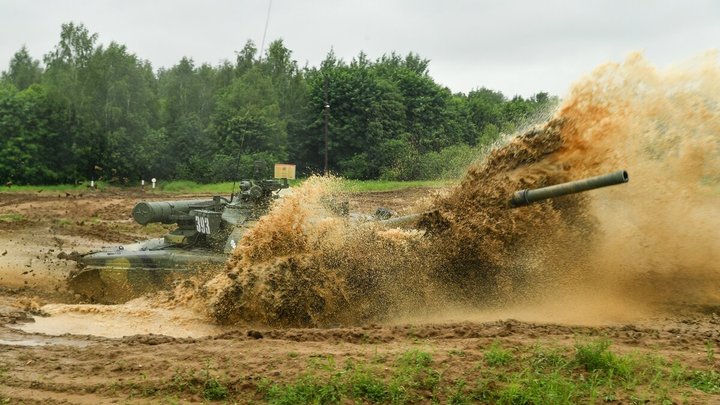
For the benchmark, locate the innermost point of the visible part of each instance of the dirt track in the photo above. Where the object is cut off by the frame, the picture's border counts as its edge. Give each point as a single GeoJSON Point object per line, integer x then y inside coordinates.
{"type": "Point", "coordinates": [155, 363]}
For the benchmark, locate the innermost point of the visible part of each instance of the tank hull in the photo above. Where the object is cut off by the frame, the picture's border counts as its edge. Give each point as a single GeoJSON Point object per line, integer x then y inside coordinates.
{"type": "Point", "coordinates": [116, 275]}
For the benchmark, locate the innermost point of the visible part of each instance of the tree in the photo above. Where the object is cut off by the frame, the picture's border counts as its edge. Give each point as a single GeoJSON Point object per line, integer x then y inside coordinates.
{"type": "Point", "coordinates": [101, 111]}
{"type": "Point", "coordinates": [24, 71]}
{"type": "Point", "coordinates": [66, 77]}
{"type": "Point", "coordinates": [123, 104]}
{"type": "Point", "coordinates": [34, 147]}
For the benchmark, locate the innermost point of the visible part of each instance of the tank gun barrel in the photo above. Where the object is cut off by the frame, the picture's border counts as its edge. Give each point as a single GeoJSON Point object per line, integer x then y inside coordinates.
{"type": "Point", "coordinates": [166, 212]}
{"type": "Point", "coordinates": [529, 196]}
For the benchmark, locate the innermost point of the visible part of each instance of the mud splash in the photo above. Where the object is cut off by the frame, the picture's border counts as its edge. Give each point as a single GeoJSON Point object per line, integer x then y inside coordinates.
{"type": "Point", "coordinates": [305, 265]}
{"type": "Point", "coordinates": [634, 248]}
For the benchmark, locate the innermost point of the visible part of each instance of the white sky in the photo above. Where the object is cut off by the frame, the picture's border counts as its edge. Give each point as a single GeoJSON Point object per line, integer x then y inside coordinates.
{"type": "Point", "coordinates": [515, 46]}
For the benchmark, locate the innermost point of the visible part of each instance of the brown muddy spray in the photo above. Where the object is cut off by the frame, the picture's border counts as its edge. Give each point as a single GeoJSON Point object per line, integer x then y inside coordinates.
{"type": "Point", "coordinates": [653, 241]}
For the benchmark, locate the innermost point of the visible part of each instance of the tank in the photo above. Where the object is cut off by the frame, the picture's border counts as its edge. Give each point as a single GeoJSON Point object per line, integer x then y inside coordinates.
{"type": "Point", "coordinates": [207, 231]}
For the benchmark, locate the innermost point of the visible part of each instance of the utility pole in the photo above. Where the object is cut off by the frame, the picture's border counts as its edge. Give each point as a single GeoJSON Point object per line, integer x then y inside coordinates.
{"type": "Point", "coordinates": [327, 113]}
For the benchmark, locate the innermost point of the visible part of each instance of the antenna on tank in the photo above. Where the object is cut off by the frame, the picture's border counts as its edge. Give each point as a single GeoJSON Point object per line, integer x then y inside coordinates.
{"type": "Point", "coordinates": [237, 166]}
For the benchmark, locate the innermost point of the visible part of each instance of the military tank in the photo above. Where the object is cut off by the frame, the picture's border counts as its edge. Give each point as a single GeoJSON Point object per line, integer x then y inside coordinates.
{"type": "Point", "coordinates": [207, 231]}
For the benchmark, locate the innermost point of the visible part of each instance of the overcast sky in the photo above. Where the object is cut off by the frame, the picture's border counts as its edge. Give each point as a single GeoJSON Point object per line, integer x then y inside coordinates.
{"type": "Point", "coordinates": [515, 46]}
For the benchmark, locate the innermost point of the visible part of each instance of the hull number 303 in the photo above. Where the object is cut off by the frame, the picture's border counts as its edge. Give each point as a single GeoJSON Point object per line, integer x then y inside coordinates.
{"type": "Point", "coordinates": [202, 224]}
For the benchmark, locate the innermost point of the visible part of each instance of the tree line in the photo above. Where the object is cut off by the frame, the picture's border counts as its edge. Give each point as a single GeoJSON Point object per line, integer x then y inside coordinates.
{"type": "Point", "coordinates": [94, 111]}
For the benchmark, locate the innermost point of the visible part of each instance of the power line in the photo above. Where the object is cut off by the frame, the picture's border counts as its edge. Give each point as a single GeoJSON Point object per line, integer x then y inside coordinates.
{"type": "Point", "coordinates": [267, 22]}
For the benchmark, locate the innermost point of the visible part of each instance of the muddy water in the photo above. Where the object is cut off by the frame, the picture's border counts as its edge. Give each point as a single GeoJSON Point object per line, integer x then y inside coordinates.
{"type": "Point", "coordinates": [137, 317]}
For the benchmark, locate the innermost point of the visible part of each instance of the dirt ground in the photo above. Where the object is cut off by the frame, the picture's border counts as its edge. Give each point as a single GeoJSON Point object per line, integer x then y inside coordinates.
{"type": "Point", "coordinates": [56, 349]}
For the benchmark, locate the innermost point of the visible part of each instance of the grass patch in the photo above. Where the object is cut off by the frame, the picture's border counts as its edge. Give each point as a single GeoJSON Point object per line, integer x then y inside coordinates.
{"type": "Point", "coordinates": [588, 373]}
{"type": "Point", "coordinates": [497, 356]}
{"type": "Point", "coordinates": [411, 380]}
{"type": "Point", "coordinates": [596, 356]}
{"type": "Point", "coordinates": [705, 380]}
{"type": "Point", "coordinates": [225, 188]}
{"type": "Point", "coordinates": [12, 217]}
{"type": "Point", "coordinates": [306, 390]}
{"type": "Point", "coordinates": [55, 188]}
{"type": "Point", "coordinates": [214, 390]}
{"type": "Point", "coordinates": [360, 186]}
{"type": "Point", "coordinates": [191, 187]}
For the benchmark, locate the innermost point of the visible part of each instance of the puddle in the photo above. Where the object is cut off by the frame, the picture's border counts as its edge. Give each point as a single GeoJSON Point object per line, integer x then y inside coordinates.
{"type": "Point", "coordinates": [11, 338]}
{"type": "Point", "coordinates": [115, 321]}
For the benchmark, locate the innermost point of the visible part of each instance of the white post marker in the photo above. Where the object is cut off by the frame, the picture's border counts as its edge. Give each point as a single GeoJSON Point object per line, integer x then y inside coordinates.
{"type": "Point", "coordinates": [153, 181]}
{"type": "Point", "coordinates": [92, 183]}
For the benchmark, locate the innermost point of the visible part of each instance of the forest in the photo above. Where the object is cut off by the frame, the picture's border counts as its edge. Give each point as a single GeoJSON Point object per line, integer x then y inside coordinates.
{"type": "Point", "coordinates": [90, 111]}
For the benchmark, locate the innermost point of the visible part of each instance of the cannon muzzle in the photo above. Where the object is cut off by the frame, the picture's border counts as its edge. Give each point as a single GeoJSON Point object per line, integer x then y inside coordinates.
{"type": "Point", "coordinates": [529, 196]}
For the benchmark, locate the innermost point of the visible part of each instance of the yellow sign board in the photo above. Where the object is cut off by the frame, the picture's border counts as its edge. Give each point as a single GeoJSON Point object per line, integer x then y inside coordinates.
{"type": "Point", "coordinates": [284, 171]}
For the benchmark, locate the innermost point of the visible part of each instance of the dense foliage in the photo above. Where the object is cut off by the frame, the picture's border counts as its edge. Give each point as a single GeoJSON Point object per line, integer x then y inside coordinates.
{"type": "Point", "coordinates": [94, 111]}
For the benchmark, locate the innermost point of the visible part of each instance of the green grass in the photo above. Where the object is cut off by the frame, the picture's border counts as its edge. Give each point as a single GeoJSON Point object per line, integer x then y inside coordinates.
{"type": "Point", "coordinates": [12, 217]}
{"type": "Point", "coordinates": [413, 374]}
{"type": "Point", "coordinates": [191, 187]}
{"type": "Point", "coordinates": [497, 356]}
{"type": "Point", "coordinates": [705, 380]}
{"type": "Point", "coordinates": [596, 356]}
{"type": "Point", "coordinates": [590, 373]}
{"type": "Point", "coordinates": [214, 390]}
{"type": "Point", "coordinates": [359, 186]}
{"type": "Point", "coordinates": [57, 188]}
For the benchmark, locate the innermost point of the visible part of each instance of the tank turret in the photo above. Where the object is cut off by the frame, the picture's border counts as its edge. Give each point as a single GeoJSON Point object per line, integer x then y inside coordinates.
{"type": "Point", "coordinates": [207, 231]}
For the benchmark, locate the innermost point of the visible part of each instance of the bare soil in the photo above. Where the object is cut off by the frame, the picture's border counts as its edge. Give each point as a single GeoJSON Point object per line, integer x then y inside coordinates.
{"type": "Point", "coordinates": [135, 353]}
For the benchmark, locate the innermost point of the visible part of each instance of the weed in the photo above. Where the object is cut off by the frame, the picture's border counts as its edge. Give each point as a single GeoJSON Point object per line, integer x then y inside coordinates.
{"type": "Point", "coordinates": [12, 217]}
{"type": "Point", "coordinates": [705, 381]}
{"type": "Point", "coordinates": [541, 375]}
{"type": "Point", "coordinates": [365, 386]}
{"type": "Point", "coordinates": [457, 395]}
{"type": "Point", "coordinates": [414, 371]}
{"type": "Point", "coordinates": [183, 381]}
{"type": "Point", "coordinates": [214, 390]}
{"type": "Point", "coordinates": [497, 356]}
{"type": "Point", "coordinates": [326, 363]}
{"type": "Point", "coordinates": [545, 358]}
{"type": "Point", "coordinates": [356, 186]}
{"type": "Point", "coordinates": [306, 390]}
{"type": "Point", "coordinates": [415, 358]}
{"type": "Point", "coordinates": [482, 392]}
{"type": "Point", "coordinates": [710, 352]}
{"type": "Point", "coordinates": [596, 356]}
